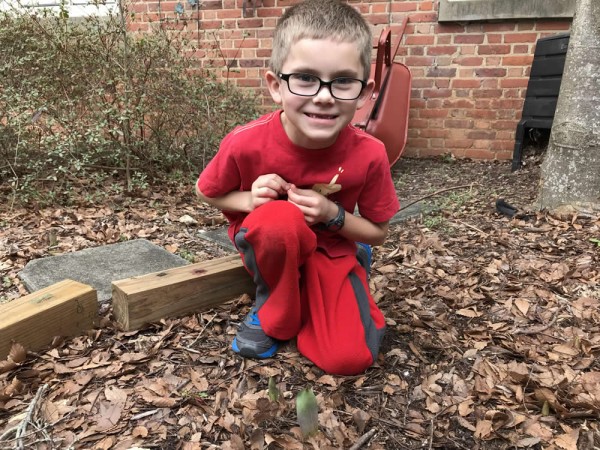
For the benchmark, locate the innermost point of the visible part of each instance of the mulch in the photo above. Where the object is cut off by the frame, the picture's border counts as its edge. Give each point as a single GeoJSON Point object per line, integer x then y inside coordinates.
{"type": "Point", "coordinates": [492, 343]}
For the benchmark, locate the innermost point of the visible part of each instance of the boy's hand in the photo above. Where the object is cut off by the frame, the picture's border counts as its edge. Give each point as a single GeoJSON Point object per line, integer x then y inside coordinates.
{"type": "Point", "coordinates": [267, 188]}
{"type": "Point", "coordinates": [315, 207]}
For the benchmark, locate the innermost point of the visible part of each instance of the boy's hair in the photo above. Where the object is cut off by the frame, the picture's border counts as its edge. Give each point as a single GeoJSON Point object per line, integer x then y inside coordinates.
{"type": "Point", "coordinates": [321, 19]}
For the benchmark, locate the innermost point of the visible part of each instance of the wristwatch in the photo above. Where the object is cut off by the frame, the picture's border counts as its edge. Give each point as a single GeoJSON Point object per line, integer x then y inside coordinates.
{"type": "Point", "coordinates": [337, 222]}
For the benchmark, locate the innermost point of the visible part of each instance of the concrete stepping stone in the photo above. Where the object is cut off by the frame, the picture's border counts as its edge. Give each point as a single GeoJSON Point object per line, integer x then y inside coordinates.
{"type": "Point", "coordinates": [100, 266]}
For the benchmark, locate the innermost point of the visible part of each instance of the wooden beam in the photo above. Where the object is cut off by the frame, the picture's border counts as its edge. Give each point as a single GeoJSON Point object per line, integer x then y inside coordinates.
{"type": "Point", "coordinates": [63, 309]}
{"type": "Point", "coordinates": [176, 292]}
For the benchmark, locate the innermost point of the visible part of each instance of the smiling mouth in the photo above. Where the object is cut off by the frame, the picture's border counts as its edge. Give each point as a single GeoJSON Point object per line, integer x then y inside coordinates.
{"type": "Point", "coordinates": [320, 116]}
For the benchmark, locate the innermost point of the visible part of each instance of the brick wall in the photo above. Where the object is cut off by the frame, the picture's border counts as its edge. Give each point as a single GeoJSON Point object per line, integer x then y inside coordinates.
{"type": "Point", "coordinates": [469, 79]}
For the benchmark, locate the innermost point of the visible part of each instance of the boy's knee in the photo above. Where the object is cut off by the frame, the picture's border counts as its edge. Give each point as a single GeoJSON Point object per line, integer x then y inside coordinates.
{"type": "Point", "coordinates": [278, 221]}
{"type": "Point", "coordinates": [346, 364]}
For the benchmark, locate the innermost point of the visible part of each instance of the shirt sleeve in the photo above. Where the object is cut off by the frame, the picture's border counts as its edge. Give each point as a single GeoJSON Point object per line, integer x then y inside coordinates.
{"type": "Point", "coordinates": [222, 174]}
{"type": "Point", "coordinates": [378, 201]}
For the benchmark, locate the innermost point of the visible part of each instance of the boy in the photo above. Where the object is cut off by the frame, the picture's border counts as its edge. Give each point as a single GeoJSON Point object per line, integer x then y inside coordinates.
{"type": "Point", "coordinates": [285, 183]}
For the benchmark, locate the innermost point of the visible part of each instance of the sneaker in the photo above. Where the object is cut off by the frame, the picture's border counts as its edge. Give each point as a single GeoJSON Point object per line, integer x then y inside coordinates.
{"type": "Point", "coordinates": [251, 341]}
{"type": "Point", "coordinates": [364, 256]}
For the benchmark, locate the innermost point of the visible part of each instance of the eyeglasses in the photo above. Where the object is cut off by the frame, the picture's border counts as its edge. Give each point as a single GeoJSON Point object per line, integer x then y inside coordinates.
{"type": "Point", "coordinates": [307, 85]}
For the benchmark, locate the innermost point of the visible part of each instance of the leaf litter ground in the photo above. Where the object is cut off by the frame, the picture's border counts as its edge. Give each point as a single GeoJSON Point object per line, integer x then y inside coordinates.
{"type": "Point", "coordinates": [493, 334]}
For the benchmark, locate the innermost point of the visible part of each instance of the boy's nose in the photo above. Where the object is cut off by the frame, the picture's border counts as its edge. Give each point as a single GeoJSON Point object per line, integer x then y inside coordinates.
{"type": "Point", "coordinates": [324, 94]}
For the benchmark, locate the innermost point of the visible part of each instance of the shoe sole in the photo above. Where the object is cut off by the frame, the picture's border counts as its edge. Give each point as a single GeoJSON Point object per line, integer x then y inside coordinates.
{"type": "Point", "coordinates": [246, 353]}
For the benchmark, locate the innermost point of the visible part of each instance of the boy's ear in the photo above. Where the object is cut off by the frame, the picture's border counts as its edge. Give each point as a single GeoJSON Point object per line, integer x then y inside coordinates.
{"type": "Point", "coordinates": [366, 94]}
{"type": "Point", "coordinates": [274, 85]}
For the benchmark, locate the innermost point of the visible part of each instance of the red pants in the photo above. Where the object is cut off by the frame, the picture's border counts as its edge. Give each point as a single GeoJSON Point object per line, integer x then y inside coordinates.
{"type": "Point", "coordinates": [301, 292]}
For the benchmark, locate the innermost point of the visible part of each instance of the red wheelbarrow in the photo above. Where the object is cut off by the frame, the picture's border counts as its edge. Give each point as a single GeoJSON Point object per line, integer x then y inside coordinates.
{"type": "Point", "coordinates": [385, 114]}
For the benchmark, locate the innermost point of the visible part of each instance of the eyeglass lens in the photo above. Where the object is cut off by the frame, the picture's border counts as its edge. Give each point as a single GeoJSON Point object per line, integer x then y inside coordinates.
{"type": "Point", "coordinates": [342, 88]}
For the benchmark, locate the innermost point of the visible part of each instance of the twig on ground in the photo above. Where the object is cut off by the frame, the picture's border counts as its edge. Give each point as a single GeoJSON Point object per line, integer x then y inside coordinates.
{"type": "Point", "coordinates": [30, 410]}
{"type": "Point", "coordinates": [460, 222]}
{"type": "Point", "coordinates": [538, 330]}
{"type": "Point", "coordinates": [202, 330]}
{"type": "Point", "coordinates": [441, 191]}
{"type": "Point", "coordinates": [20, 429]}
{"type": "Point", "coordinates": [363, 439]}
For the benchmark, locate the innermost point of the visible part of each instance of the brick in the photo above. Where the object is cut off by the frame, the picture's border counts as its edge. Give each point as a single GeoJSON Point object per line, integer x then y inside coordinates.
{"type": "Point", "coordinates": [481, 134]}
{"type": "Point", "coordinates": [249, 83]}
{"type": "Point", "coordinates": [404, 6]}
{"type": "Point", "coordinates": [502, 144]}
{"type": "Point", "coordinates": [442, 50]}
{"type": "Point", "coordinates": [468, 39]}
{"type": "Point", "coordinates": [450, 28]}
{"type": "Point", "coordinates": [493, 49]}
{"type": "Point", "coordinates": [269, 12]}
{"type": "Point", "coordinates": [434, 103]}
{"type": "Point", "coordinates": [419, 142]}
{"type": "Point", "coordinates": [433, 133]}
{"type": "Point", "coordinates": [443, 39]}
{"type": "Point", "coordinates": [252, 63]}
{"type": "Point", "coordinates": [437, 93]}
{"type": "Point", "coordinates": [482, 113]}
{"type": "Point", "coordinates": [422, 83]}
{"type": "Point", "coordinates": [459, 143]}
{"type": "Point", "coordinates": [458, 123]}
{"type": "Point", "coordinates": [521, 49]}
{"type": "Point", "coordinates": [488, 72]}
{"type": "Point", "coordinates": [377, 19]}
{"type": "Point", "coordinates": [494, 38]}
{"type": "Point", "coordinates": [525, 25]}
{"type": "Point", "coordinates": [554, 25]}
{"type": "Point", "coordinates": [379, 8]}
{"type": "Point", "coordinates": [229, 14]}
{"type": "Point", "coordinates": [442, 83]}
{"type": "Point", "coordinates": [466, 83]}
{"type": "Point", "coordinates": [489, 83]}
{"type": "Point", "coordinates": [487, 93]}
{"type": "Point", "coordinates": [424, 17]}
{"type": "Point", "coordinates": [446, 72]}
{"type": "Point", "coordinates": [454, 103]}
{"type": "Point", "coordinates": [250, 23]}
{"type": "Point", "coordinates": [468, 49]}
{"type": "Point", "coordinates": [411, 61]}
{"type": "Point", "coordinates": [511, 38]}
{"type": "Point", "coordinates": [523, 60]}
{"type": "Point", "coordinates": [416, 51]}
{"type": "Point", "coordinates": [468, 60]}
{"type": "Point", "coordinates": [502, 26]}
{"type": "Point", "coordinates": [419, 40]}
{"type": "Point", "coordinates": [433, 113]}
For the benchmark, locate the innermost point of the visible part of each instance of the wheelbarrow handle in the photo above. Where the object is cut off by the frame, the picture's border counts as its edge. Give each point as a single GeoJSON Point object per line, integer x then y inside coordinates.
{"type": "Point", "coordinates": [385, 57]}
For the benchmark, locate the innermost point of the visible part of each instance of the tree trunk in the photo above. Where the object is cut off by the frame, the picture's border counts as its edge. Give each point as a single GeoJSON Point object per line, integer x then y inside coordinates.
{"type": "Point", "coordinates": [571, 169]}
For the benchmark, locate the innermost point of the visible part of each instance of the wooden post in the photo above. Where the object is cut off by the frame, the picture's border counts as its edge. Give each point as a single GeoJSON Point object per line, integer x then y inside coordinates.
{"type": "Point", "coordinates": [63, 309]}
{"type": "Point", "coordinates": [179, 291]}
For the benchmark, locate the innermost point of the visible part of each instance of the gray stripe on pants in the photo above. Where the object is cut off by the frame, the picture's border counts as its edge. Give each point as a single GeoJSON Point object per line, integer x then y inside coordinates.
{"type": "Point", "coordinates": [373, 335]}
{"type": "Point", "coordinates": [262, 290]}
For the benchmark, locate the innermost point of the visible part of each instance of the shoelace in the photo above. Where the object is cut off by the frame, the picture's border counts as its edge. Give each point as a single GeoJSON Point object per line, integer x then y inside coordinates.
{"type": "Point", "coordinates": [254, 319]}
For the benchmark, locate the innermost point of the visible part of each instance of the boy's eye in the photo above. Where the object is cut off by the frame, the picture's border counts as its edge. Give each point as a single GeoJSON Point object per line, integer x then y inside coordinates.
{"type": "Point", "coordinates": [344, 83]}
{"type": "Point", "coordinates": [305, 78]}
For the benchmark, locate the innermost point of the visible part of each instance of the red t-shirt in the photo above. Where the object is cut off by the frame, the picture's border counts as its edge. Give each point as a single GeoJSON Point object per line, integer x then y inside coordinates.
{"type": "Point", "coordinates": [354, 172]}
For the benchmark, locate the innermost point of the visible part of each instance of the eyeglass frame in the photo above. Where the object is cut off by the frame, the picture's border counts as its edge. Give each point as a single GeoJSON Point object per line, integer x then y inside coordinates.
{"type": "Point", "coordinates": [328, 84]}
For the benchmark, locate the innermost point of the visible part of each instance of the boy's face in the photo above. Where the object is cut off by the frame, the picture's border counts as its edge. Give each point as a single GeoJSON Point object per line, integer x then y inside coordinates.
{"type": "Point", "coordinates": [315, 122]}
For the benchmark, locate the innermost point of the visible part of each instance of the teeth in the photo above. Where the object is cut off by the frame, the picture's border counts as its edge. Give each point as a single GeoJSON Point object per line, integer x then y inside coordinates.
{"type": "Point", "coordinates": [321, 116]}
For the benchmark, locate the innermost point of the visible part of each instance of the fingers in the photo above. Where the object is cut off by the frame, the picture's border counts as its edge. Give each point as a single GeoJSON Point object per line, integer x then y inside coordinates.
{"type": "Point", "coordinates": [313, 205]}
{"type": "Point", "coordinates": [271, 183]}
{"type": "Point", "coordinates": [267, 188]}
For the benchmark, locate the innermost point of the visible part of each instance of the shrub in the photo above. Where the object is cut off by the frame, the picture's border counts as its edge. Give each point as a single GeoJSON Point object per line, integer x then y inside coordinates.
{"type": "Point", "coordinates": [82, 98]}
